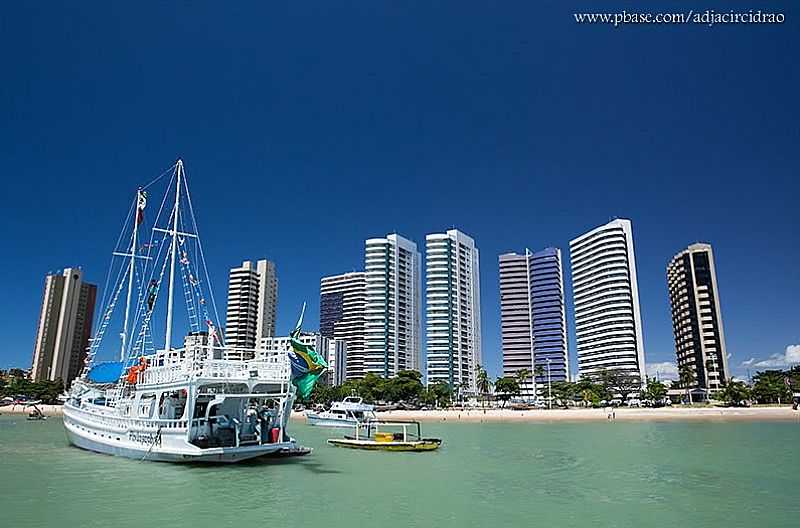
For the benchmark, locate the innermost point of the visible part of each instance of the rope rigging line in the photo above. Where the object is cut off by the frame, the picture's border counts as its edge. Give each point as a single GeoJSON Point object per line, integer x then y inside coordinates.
{"type": "Point", "coordinates": [98, 338]}
{"type": "Point", "coordinates": [172, 168]}
{"type": "Point", "coordinates": [144, 283]}
{"type": "Point", "coordinates": [149, 246]}
{"type": "Point", "coordinates": [220, 335]}
{"type": "Point", "coordinates": [106, 291]}
{"type": "Point", "coordinates": [146, 321]}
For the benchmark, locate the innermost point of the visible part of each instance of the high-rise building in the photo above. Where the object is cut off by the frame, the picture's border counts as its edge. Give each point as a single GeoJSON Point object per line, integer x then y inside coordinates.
{"type": "Point", "coordinates": [342, 302]}
{"type": "Point", "coordinates": [453, 300]}
{"type": "Point", "coordinates": [515, 316]}
{"type": "Point", "coordinates": [608, 323]}
{"type": "Point", "coordinates": [65, 325]}
{"type": "Point", "coordinates": [337, 361]}
{"type": "Point", "coordinates": [392, 326]}
{"type": "Point", "coordinates": [696, 316]}
{"type": "Point", "coordinates": [533, 318]}
{"type": "Point", "coordinates": [252, 306]}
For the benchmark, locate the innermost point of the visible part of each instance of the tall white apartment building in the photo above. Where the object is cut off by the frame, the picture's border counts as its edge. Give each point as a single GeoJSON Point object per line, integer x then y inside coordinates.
{"type": "Point", "coordinates": [453, 300]}
{"type": "Point", "coordinates": [392, 313]}
{"type": "Point", "coordinates": [608, 322]}
{"type": "Point", "coordinates": [252, 305]}
{"type": "Point", "coordinates": [342, 303]}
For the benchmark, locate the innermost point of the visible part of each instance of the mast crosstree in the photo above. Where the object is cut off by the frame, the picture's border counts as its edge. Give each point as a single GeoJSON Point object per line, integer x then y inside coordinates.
{"type": "Point", "coordinates": [169, 247]}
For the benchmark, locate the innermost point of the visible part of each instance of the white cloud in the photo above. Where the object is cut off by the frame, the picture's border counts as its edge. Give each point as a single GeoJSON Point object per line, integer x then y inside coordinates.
{"type": "Point", "coordinates": [664, 370]}
{"type": "Point", "coordinates": [791, 356]}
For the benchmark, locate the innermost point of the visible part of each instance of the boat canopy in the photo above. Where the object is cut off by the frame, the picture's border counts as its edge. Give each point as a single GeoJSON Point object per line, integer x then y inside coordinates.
{"type": "Point", "coordinates": [107, 372]}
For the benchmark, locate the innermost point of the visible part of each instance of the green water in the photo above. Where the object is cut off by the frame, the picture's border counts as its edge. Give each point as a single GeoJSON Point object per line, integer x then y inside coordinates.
{"type": "Point", "coordinates": [550, 475]}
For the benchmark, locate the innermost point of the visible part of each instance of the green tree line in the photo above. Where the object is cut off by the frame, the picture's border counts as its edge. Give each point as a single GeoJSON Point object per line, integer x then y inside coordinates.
{"type": "Point", "coordinates": [405, 387]}
{"type": "Point", "coordinates": [47, 391]}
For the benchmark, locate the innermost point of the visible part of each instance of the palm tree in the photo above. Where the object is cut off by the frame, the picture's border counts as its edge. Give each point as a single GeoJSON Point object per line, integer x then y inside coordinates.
{"type": "Point", "coordinates": [686, 378]}
{"type": "Point", "coordinates": [462, 388]}
{"type": "Point", "coordinates": [482, 382]}
{"type": "Point", "coordinates": [522, 376]}
{"type": "Point", "coordinates": [538, 372]}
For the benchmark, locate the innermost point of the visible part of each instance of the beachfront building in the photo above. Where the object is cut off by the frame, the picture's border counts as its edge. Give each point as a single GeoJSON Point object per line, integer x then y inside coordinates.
{"type": "Point", "coordinates": [453, 300]}
{"type": "Point", "coordinates": [337, 361]}
{"type": "Point", "coordinates": [533, 318]}
{"type": "Point", "coordinates": [608, 323]}
{"type": "Point", "coordinates": [392, 311]}
{"type": "Point", "coordinates": [283, 343]}
{"type": "Point", "coordinates": [65, 325]}
{"type": "Point", "coordinates": [252, 306]}
{"type": "Point", "coordinates": [333, 350]}
{"type": "Point", "coordinates": [342, 302]}
{"type": "Point", "coordinates": [696, 316]}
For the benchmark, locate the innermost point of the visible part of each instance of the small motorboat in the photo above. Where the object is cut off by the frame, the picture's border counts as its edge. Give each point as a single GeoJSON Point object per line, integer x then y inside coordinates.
{"type": "Point", "coordinates": [347, 413]}
{"type": "Point", "coordinates": [36, 413]}
{"type": "Point", "coordinates": [388, 436]}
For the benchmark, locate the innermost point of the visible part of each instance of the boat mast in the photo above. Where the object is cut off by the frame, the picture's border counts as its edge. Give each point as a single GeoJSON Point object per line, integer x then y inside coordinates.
{"type": "Point", "coordinates": [124, 334]}
{"type": "Point", "coordinates": [178, 172]}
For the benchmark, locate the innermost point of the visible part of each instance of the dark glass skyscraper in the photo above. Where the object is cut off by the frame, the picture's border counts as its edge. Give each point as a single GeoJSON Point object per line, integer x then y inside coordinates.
{"type": "Point", "coordinates": [696, 316]}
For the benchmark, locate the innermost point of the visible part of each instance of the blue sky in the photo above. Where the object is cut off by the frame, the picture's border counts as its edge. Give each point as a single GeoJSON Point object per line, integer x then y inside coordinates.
{"type": "Point", "coordinates": [307, 127]}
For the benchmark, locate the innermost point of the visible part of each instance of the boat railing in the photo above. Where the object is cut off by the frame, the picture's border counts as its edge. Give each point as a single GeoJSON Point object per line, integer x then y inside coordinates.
{"type": "Point", "coordinates": [271, 370]}
{"type": "Point", "coordinates": [110, 420]}
{"type": "Point", "coordinates": [169, 371]}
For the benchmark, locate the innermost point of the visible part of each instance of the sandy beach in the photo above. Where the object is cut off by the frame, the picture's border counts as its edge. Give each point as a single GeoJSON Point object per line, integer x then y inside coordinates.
{"type": "Point", "coordinates": [721, 414]}
{"type": "Point", "coordinates": [19, 409]}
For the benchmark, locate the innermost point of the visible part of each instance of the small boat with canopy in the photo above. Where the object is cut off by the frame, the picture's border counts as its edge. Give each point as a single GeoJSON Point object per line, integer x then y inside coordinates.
{"type": "Point", "coordinates": [387, 436]}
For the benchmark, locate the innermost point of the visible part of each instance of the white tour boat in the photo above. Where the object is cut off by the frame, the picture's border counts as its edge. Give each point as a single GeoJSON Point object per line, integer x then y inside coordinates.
{"type": "Point", "coordinates": [347, 413]}
{"type": "Point", "coordinates": [202, 402]}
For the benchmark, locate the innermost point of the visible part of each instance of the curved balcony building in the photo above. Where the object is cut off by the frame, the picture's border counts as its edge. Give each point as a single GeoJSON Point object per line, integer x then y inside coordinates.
{"type": "Point", "coordinates": [608, 322]}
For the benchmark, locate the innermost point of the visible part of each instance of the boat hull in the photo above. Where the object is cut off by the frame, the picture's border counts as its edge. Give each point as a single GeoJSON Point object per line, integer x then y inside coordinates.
{"type": "Point", "coordinates": [169, 448]}
{"type": "Point", "coordinates": [371, 445]}
{"type": "Point", "coordinates": [322, 421]}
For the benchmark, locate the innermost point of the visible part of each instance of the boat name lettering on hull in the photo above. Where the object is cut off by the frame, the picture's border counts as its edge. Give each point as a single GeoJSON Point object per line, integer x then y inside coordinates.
{"type": "Point", "coordinates": [145, 438]}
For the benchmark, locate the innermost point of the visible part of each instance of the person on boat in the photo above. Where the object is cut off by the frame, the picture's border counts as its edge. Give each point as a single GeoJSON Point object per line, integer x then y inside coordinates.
{"type": "Point", "coordinates": [133, 372]}
{"type": "Point", "coordinates": [152, 291]}
{"type": "Point", "coordinates": [250, 427]}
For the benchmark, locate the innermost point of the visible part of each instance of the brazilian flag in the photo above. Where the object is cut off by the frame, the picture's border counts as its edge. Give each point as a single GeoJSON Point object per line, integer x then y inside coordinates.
{"type": "Point", "coordinates": [307, 364]}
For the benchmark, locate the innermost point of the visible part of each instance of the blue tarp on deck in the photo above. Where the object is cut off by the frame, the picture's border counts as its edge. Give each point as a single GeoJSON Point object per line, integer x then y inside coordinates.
{"type": "Point", "coordinates": [108, 372]}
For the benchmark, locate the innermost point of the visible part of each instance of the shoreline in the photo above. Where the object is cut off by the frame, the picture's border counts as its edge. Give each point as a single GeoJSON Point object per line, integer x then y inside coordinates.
{"type": "Point", "coordinates": [624, 414]}
{"type": "Point", "coordinates": [22, 410]}
{"type": "Point", "coordinates": [575, 415]}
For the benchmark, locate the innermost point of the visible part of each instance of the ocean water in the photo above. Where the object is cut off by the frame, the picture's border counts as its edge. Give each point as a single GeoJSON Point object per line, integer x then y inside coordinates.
{"type": "Point", "coordinates": [550, 475]}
